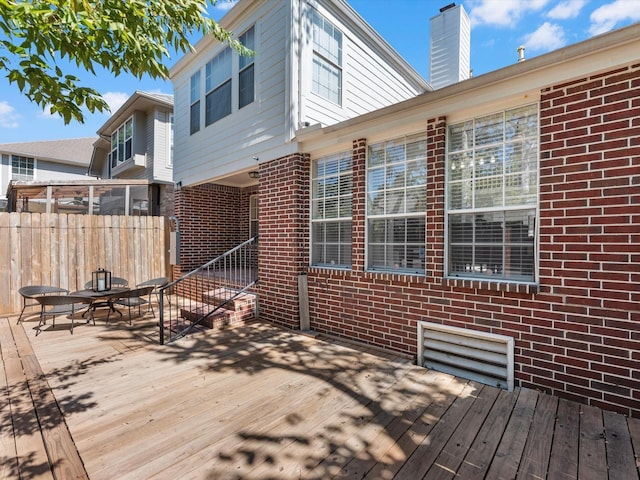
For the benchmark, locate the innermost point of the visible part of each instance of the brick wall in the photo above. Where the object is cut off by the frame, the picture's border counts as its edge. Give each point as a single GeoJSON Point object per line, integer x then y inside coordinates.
{"type": "Point", "coordinates": [284, 237]}
{"type": "Point", "coordinates": [211, 222]}
{"type": "Point", "coordinates": [578, 334]}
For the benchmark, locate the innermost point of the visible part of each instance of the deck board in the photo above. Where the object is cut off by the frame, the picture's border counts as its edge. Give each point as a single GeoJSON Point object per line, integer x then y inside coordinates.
{"type": "Point", "coordinates": [258, 402]}
{"type": "Point", "coordinates": [620, 456]}
{"type": "Point", "coordinates": [592, 464]}
{"type": "Point", "coordinates": [31, 455]}
{"type": "Point", "coordinates": [535, 457]}
{"type": "Point", "coordinates": [563, 463]}
{"type": "Point", "coordinates": [456, 448]}
{"type": "Point", "coordinates": [505, 462]}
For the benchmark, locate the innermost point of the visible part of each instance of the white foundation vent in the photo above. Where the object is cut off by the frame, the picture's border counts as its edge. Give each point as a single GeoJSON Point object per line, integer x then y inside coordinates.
{"type": "Point", "coordinates": [480, 356]}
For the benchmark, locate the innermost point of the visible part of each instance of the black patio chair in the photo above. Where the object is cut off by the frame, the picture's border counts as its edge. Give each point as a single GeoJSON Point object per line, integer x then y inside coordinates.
{"type": "Point", "coordinates": [30, 292]}
{"type": "Point", "coordinates": [56, 305]}
{"type": "Point", "coordinates": [157, 284]}
{"type": "Point", "coordinates": [133, 298]}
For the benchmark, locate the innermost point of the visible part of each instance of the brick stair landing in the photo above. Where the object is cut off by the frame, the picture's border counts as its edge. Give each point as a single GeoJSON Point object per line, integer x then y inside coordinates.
{"type": "Point", "coordinates": [240, 310]}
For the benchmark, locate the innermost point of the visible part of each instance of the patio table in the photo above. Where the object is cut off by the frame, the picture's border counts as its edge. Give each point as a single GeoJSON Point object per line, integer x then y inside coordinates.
{"type": "Point", "coordinates": [103, 298]}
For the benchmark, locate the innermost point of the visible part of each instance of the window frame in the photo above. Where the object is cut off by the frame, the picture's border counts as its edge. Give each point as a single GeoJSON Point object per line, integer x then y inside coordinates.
{"type": "Point", "coordinates": [194, 104]}
{"type": "Point", "coordinates": [518, 220]}
{"type": "Point", "coordinates": [324, 60]}
{"type": "Point", "coordinates": [24, 166]}
{"type": "Point", "coordinates": [218, 86]}
{"type": "Point", "coordinates": [382, 198]}
{"type": "Point", "coordinates": [337, 170]}
{"type": "Point", "coordinates": [246, 69]}
{"type": "Point", "coordinates": [122, 143]}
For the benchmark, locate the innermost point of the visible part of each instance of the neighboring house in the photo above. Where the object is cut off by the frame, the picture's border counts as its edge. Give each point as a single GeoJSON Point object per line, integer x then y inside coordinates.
{"type": "Point", "coordinates": [506, 204]}
{"type": "Point", "coordinates": [43, 161]}
{"type": "Point", "coordinates": [136, 143]}
{"type": "Point", "coordinates": [316, 63]}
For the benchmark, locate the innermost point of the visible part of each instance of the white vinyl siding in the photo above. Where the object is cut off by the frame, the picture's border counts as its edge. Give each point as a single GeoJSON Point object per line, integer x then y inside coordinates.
{"type": "Point", "coordinates": [492, 195]}
{"type": "Point", "coordinates": [368, 82]}
{"type": "Point", "coordinates": [258, 126]}
{"type": "Point", "coordinates": [284, 101]}
{"type": "Point", "coordinates": [160, 148]}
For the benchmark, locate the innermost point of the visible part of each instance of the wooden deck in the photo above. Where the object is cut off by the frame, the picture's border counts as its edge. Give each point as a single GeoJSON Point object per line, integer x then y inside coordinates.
{"type": "Point", "coordinates": [259, 402]}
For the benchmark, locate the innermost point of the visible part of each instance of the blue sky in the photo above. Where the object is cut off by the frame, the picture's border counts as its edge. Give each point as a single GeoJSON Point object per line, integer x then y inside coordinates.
{"type": "Point", "coordinates": [498, 27]}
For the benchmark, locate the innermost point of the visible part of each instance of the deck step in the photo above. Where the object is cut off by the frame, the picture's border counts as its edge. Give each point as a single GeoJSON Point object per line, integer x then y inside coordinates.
{"type": "Point", "coordinates": [219, 295]}
{"type": "Point", "coordinates": [222, 318]}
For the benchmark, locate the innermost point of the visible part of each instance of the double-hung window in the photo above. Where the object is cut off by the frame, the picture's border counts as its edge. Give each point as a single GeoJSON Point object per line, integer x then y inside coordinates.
{"type": "Point", "coordinates": [331, 179]}
{"type": "Point", "coordinates": [396, 205]}
{"type": "Point", "coordinates": [246, 70]}
{"type": "Point", "coordinates": [218, 87]}
{"type": "Point", "coordinates": [22, 168]}
{"type": "Point", "coordinates": [122, 143]}
{"type": "Point", "coordinates": [327, 59]}
{"type": "Point", "coordinates": [194, 113]}
{"type": "Point", "coordinates": [492, 196]}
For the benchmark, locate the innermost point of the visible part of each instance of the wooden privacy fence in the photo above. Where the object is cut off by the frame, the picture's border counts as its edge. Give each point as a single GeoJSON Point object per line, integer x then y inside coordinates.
{"type": "Point", "coordinates": [63, 249]}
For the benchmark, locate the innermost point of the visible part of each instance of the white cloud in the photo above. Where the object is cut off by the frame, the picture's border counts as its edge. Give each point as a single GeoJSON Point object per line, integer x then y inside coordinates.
{"type": "Point", "coordinates": [8, 116]}
{"type": "Point", "coordinates": [502, 13]}
{"type": "Point", "coordinates": [225, 5]}
{"type": "Point", "coordinates": [546, 38]}
{"type": "Point", "coordinates": [115, 100]}
{"type": "Point", "coordinates": [607, 16]}
{"type": "Point", "coordinates": [567, 9]}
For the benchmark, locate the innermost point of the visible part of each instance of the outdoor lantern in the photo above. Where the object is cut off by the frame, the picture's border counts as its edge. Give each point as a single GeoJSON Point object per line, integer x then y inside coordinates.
{"type": "Point", "coordinates": [101, 280]}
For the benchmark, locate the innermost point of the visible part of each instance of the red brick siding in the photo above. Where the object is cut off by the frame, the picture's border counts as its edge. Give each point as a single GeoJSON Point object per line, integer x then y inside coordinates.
{"type": "Point", "coordinates": [578, 335]}
{"type": "Point", "coordinates": [213, 219]}
{"type": "Point", "coordinates": [284, 237]}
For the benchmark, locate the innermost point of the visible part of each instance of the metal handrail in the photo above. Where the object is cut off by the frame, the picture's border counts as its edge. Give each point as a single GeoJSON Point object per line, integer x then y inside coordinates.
{"type": "Point", "coordinates": [230, 274]}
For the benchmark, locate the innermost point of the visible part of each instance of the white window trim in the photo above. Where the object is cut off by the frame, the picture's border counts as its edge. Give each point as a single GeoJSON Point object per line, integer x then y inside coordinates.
{"type": "Point", "coordinates": [400, 270]}
{"type": "Point", "coordinates": [250, 64]}
{"type": "Point", "coordinates": [197, 99]}
{"type": "Point", "coordinates": [35, 167]}
{"type": "Point", "coordinates": [323, 220]}
{"type": "Point", "coordinates": [122, 126]}
{"type": "Point", "coordinates": [324, 59]}
{"type": "Point", "coordinates": [210, 87]}
{"type": "Point", "coordinates": [536, 240]}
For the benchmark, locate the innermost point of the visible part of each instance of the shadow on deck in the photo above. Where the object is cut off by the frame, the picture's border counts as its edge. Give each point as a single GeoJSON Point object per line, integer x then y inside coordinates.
{"type": "Point", "coordinates": [259, 402]}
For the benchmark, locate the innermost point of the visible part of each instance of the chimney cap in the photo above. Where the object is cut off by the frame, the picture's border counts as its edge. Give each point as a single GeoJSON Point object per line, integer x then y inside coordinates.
{"type": "Point", "coordinates": [447, 7]}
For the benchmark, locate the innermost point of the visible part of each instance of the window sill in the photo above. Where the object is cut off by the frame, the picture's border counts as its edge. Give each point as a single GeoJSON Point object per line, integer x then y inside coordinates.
{"type": "Point", "coordinates": [331, 268]}
{"type": "Point", "coordinates": [494, 285]}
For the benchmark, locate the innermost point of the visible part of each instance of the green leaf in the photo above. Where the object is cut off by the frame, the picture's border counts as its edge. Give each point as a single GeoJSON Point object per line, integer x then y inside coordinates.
{"type": "Point", "coordinates": [133, 36]}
